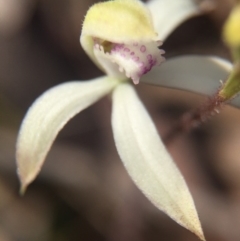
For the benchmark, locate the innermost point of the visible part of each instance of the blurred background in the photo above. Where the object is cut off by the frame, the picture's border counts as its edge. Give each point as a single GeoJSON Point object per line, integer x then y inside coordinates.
{"type": "Point", "coordinates": [83, 192]}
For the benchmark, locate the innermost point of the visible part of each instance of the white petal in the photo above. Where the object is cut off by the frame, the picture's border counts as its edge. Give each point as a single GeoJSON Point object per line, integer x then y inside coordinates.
{"type": "Point", "coordinates": [47, 116]}
{"type": "Point", "coordinates": [200, 74]}
{"type": "Point", "coordinates": [147, 160]}
{"type": "Point", "coordinates": [169, 14]}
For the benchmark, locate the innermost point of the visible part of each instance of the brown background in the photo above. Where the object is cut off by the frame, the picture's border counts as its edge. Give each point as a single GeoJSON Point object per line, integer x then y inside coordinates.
{"type": "Point", "coordinates": [83, 191]}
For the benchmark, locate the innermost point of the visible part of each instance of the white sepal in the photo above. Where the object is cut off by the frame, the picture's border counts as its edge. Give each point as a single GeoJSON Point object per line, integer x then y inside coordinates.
{"type": "Point", "coordinates": [199, 74]}
{"type": "Point", "coordinates": [47, 116]}
{"type": "Point", "coordinates": [169, 14]}
{"type": "Point", "coordinates": [147, 160]}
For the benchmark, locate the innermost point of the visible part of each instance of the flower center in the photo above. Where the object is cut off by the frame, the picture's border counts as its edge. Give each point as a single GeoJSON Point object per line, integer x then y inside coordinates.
{"type": "Point", "coordinates": [131, 60]}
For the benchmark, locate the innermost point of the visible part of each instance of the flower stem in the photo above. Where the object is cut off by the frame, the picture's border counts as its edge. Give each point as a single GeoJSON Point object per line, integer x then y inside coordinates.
{"type": "Point", "coordinates": [194, 118]}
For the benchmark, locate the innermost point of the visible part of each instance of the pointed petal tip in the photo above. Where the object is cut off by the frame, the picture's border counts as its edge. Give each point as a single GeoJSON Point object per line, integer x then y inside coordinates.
{"type": "Point", "coordinates": [200, 235]}
{"type": "Point", "coordinates": [196, 229]}
{"type": "Point", "coordinates": [23, 189]}
{"type": "Point", "coordinates": [25, 176]}
{"type": "Point", "coordinates": [192, 223]}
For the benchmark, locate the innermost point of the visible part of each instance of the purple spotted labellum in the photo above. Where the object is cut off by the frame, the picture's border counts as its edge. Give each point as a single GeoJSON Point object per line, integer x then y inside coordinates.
{"type": "Point", "coordinates": [131, 60]}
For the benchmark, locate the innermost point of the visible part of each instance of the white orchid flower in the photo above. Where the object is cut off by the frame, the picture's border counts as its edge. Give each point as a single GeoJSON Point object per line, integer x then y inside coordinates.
{"type": "Point", "coordinates": [122, 37]}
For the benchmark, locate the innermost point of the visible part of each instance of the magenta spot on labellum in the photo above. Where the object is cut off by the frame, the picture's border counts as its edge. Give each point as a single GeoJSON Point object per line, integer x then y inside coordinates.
{"type": "Point", "coordinates": [136, 58]}
{"type": "Point", "coordinates": [135, 44]}
{"type": "Point", "coordinates": [126, 49]}
{"type": "Point", "coordinates": [149, 57]}
{"type": "Point", "coordinates": [146, 69]}
{"type": "Point", "coordinates": [132, 53]}
{"type": "Point", "coordinates": [143, 49]}
{"type": "Point", "coordinates": [151, 62]}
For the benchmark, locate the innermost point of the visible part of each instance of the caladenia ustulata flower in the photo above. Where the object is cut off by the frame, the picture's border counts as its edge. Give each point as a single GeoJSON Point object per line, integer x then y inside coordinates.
{"type": "Point", "coordinates": [123, 37]}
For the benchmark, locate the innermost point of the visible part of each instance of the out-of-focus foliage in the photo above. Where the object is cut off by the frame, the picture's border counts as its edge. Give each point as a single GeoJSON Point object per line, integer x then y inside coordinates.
{"type": "Point", "coordinates": [231, 29]}
{"type": "Point", "coordinates": [231, 36]}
